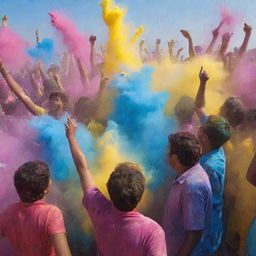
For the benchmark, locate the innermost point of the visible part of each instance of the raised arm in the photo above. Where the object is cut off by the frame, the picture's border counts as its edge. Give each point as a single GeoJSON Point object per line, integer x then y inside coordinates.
{"type": "Point", "coordinates": [200, 97]}
{"type": "Point", "coordinates": [4, 21]}
{"type": "Point", "coordinates": [191, 48]}
{"type": "Point", "coordinates": [178, 54]}
{"type": "Point", "coordinates": [224, 44]}
{"type": "Point", "coordinates": [58, 82]}
{"type": "Point", "coordinates": [79, 158]}
{"type": "Point", "coordinates": [83, 72]}
{"type": "Point", "coordinates": [170, 48]}
{"type": "Point", "coordinates": [42, 71]}
{"type": "Point", "coordinates": [251, 172]}
{"type": "Point", "coordinates": [247, 31]}
{"type": "Point", "coordinates": [215, 34]}
{"type": "Point", "coordinates": [92, 54]}
{"type": "Point", "coordinates": [17, 89]}
{"type": "Point", "coordinates": [158, 54]}
{"type": "Point", "coordinates": [37, 37]}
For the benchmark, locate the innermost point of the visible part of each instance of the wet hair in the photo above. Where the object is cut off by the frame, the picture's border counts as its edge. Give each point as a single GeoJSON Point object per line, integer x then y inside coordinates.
{"type": "Point", "coordinates": [184, 109]}
{"type": "Point", "coordinates": [31, 180]}
{"type": "Point", "coordinates": [250, 118]}
{"type": "Point", "coordinates": [60, 95]}
{"type": "Point", "coordinates": [233, 110]}
{"type": "Point", "coordinates": [126, 185]}
{"type": "Point", "coordinates": [218, 131]}
{"type": "Point", "coordinates": [85, 108]}
{"type": "Point", "coordinates": [186, 146]}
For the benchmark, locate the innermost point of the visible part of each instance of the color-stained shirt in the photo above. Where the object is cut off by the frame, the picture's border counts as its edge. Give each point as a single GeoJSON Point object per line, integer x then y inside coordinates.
{"type": "Point", "coordinates": [122, 233]}
{"type": "Point", "coordinates": [187, 208]}
{"type": "Point", "coordinates": [214, 165]}
{"type": "Point", "coordinates": [29, 227]}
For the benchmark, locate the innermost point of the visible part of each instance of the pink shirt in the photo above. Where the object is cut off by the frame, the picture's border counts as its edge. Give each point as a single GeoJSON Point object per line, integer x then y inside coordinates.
{"type": "Point", "coordinates": [122, 233]}
{"type": "Point", "coordinates": [29, 227]}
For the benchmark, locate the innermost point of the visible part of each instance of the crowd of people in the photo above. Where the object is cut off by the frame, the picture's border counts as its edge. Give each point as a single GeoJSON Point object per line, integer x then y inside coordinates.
{"type": "Point", "coordinates": [208, 206]}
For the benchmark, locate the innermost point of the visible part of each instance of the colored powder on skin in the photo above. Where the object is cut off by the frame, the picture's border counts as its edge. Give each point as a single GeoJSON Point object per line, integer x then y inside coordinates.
{"type": "Point", "coordinates": [243, 79]}
{"type": "Point", "coordinates": [120, 52]}
{"type": "Point", "coordinates": [12, 49]}
{"type": "Point", "coordinates": [139, 113]}
{"type": "Point", "coordinates": [76, 42]}
{"type": "Point", "coordinates": [45, 51]}
{"type": "Point", "coordinates": [137, 34]}
{"type": "Point", "coordinates": [239, 193]}
{"type": "Point", "coordinates": [183, 79]}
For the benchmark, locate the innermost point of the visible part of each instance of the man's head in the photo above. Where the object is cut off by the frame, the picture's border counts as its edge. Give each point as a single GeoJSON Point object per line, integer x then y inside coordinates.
{"type": "Point", "coordinates": [57, 102]}
{"type": "Point", "coordinates": [184, 150]}
{"type": "Point", "coordinates": [85, 109]}
{"type": "Point", "coordinates": [250, 121]}
{"type": "Point", "coordinates": [126, 185]}
{"type": "Point", "coordinates": [32, 180]}
{"type": "Point", "coordinates": [233, 110]}
{"type": "Point", "coordinates": [184, 109]}
{"type": "Point", "coordinates": [215, 132]}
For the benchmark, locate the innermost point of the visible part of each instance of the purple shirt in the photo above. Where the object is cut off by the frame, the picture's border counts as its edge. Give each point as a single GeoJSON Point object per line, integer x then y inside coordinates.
{"type": "Point", "coordinates": [122, 233]}
{"type": "Point", "coordinates": [187, 208]}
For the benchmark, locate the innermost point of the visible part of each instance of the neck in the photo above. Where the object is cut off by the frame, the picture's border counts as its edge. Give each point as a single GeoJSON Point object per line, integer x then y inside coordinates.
{"type": "Point", "coordinates": [182, 169]}
{"type": "Point", "coordinates": [206, 149]}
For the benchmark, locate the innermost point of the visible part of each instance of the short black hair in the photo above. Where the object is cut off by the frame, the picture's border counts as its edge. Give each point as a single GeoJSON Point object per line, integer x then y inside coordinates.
{"type": "Point", "coordinates": [61, 95]}
{"type": "Point", "coordinates": [186, 146]}
{"type": "Point", "coordinates": [31, 180]}
{"type": "Point", "coordinates": [250, 118]}
{"type": "Point", "coordinates": [233, 110]}
{"type": "Point", "coordinates": [126, 185]}
{"type": "Point", "coordinates": [218, 131]}
{"type": "Point", "coordinates": [184, 109]}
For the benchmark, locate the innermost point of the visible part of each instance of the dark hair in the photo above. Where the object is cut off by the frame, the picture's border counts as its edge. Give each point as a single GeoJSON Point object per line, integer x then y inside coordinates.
{"type": "Point", "coordinates": [54, 68]}
{"type": "Point", "coordinates": [31, 180]}
{"type": "Point", "coordinates": [85, 108]}
{"type": "Point", "coordinates": [186, 146]}
{"type": "Point", "coordinates": [218, 130]}
{"type": "Point", "coordinates": [233, 110]}
{"type": "Point", "coordinates": [184, 109]}
{"type": "Point", "coordinates": [60, 95]}
{"type": "Point", "coordinates": [250, 118]}
{"type": "Point", "coordinates": [126, 186]}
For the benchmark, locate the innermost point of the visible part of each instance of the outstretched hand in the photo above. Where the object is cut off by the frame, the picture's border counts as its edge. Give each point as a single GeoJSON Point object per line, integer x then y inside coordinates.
{"type": "Point", "coordinates": [71, 127]}
{"type": "Point", "coordinates": [247, 28]}
{"type": "Point", "coordinates": [185, 33]}
{"type": "Point", "coordinates": [203, 75]}
{"type": "Point", "coordinates": [92, 39]}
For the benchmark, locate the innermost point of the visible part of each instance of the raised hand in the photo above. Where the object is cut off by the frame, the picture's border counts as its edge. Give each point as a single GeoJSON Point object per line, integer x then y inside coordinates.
{"type": "Point", "coordinates": [92, 39]}
{"type": "Point", "coordinates": [158, 41]}
{"type": "Point", "coordinates": [71, 128]}
{"type": "Point", "coordinates": [247, 28]}
{"type": "Point", "coordinates": [203, 75]}
{"type": "Point", "coordinates": [185, 33]}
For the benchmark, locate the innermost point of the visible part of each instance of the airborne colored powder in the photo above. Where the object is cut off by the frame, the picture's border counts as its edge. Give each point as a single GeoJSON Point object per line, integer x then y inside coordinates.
{"type": "Point", "coordinates": [77, 43]}
{"type": "Point", "coordinates": [120, 51]}
{"type": "Point", "coordinates": [12, 49]}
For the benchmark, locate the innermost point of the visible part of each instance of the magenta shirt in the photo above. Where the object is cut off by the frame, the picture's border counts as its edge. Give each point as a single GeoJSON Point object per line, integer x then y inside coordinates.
{"type": "Point", "coordinates": [29, 227]}
{"type": "Point", "coordinates": [122, 233]}
{"type": "Point", "coordinates": [188, 207]}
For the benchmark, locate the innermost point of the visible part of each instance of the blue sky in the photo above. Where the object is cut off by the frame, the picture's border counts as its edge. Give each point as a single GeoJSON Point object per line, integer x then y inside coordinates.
{"type": "Point", "coordinates": [161, 18]}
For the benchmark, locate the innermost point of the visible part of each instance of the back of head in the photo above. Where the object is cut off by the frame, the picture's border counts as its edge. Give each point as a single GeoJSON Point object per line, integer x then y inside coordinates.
{"type": "Point", "coordinates": [233, 110]}
{"type": "Point", "coordinates": [126, 185]}
{"type": "Point", "coordinates": [184, 109]}
{"type": "Point", "coordinates": [187, 148]}
{"type": "Point", "coordinates": [217, 130]}
{"type": "Point", "coordinates": [250, 119]}
{"type": "Point", "coordinates": [31, 181]}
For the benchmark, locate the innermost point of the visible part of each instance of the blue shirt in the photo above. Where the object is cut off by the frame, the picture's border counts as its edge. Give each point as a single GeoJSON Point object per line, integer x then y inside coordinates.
{"type": "Point", "coordinates": [214, 164]}
{"type": "Point", "coordinates": [187, 208]}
